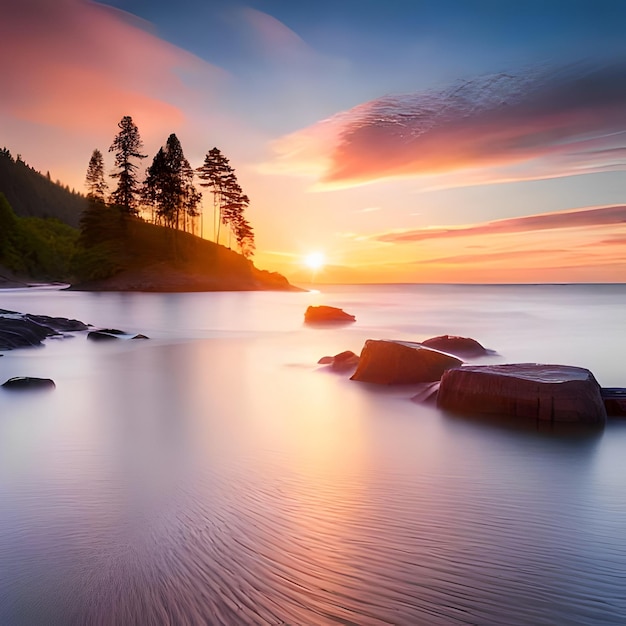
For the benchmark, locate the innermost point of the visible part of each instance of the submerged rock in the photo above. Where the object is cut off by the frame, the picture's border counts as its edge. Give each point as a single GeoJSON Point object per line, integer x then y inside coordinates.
{"type": "Point", "coordinates": [459, 346]}
{"type": "Point", "coordinates": [388, 362]}
{"type": "Point", "coordinates": [327, 314]}
{"type": "Point", "coordinates": [341, 362]}
{"type": "Point", "coordinates": [554, 393]}
{"type": "Point", "coordinates": [29, 382]}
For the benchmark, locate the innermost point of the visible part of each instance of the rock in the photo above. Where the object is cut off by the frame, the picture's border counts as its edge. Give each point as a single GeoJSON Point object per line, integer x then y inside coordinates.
{"type": "Point", "coordinates": [401, 362]}
{"type": "Point", "coordinates": [326, 360]}
{"type": "Point", "coordinates": [459, 346]}
{"type": "Point", "coordinates": [326, 315]}
{"type": "Point", "coordinates": [107, 334]}
{"type": "Point", "coordinates": [341, 362]}
{"type": "Point", "coordinates": [614, 399]}
{"type": "Point", "coordinates": [29, 382]}
{"type": "Point", "coordinates": [19, 330]}
{"type": "Point", "coordinates": [101, 335]}
{"type": "Point", "coordinates": [59, 324]}
{"type": "Point", "coordinates": [554, 393]}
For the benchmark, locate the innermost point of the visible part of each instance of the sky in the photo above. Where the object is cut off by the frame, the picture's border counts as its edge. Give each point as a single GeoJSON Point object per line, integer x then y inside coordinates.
{"type": "Point", "coordinates": [463, 141]}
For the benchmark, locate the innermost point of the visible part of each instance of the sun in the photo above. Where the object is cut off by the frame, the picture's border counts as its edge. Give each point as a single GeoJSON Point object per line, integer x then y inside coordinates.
{"type": "Point", "coordinates": [315, 260]}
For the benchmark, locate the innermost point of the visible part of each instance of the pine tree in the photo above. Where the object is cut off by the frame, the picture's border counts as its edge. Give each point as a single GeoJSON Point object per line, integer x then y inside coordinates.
{"type": "Point", "coordinates": [153, 184]}
{"type": "Point", "coordinates": [191, 196]}
{"type": "Point", "coordinates": [234, 202]}
{"type": "Point", "coordinates": [215, 170]}
{"type": "Point", "coordinates": [96, 185]}
{"type": "Point", "coordinates": [126, 146]}
{"type": "Point", "coordinates": [244, 236]}
{"type": "Point", "coordinates": [168, 187]}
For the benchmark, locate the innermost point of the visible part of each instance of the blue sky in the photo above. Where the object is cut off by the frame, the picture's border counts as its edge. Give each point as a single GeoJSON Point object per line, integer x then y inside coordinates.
{"type": "Point", "coordinates": [367, 49]}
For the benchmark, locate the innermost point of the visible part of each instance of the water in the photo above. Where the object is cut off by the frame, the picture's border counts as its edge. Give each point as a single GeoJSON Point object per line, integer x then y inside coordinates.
{"type": "Point", "coordinates": [216, 475]}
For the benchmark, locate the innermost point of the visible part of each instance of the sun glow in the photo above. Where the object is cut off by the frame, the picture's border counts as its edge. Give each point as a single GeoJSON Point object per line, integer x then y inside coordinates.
{"type": "Point", "coordinates": [315, 260]}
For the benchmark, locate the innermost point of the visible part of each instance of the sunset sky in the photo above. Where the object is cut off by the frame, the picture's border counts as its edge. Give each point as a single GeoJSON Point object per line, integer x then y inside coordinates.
{"type": "Point", "coordinates": [406, 140]}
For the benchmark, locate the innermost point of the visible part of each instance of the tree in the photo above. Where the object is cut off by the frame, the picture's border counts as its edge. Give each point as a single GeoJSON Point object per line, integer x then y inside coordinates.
{"type": "Point", "coordinates": [168, 187]}
{"type": "Point", "coordinates": [215, 171]}
{"type": "Point", "coordinates": [244, 236]}
{"type": "Point", "coordinates": [233, 204]}
{"type": "Point", "coordinates": [153, 185]}
{"type": "Point", "coordinates": [191, 196]}
{"type": "Point", "coordinates": [8, 221]}
{"type": "Point", "coordinates": [96, 185]}
{"type": "Point", "coordinates": [126, 146]}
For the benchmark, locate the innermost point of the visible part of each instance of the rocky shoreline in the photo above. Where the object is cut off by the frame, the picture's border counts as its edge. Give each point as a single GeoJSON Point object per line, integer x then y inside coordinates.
{"type": "Point", "coordinates": [557, 394]}
{"type": "Point", "coordinates": [550, 393]}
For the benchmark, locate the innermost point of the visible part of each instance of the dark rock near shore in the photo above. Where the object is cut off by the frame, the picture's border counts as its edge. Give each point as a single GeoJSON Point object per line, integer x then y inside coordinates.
{"type": "Point", "coordinates": [386, 362]}
{"type": "Point", "coordinates": [341, 362]}
{"type": "Point", "coordinates": [28, 382]}
{"type": "Point", "coordinates": [327, 315]}
{"type": "Point", "coordinates": [459, 346]}
{"type": "Point", "coordinates": [59, 324]}
{"type": "Point", "coordinates": [614, 399]}
{"type": "Point", "coordinates": [552, 393]}
{"type": "Point", "coordinates": [19, 330]}
{"type": "Point", "coordinates": [108, 334]}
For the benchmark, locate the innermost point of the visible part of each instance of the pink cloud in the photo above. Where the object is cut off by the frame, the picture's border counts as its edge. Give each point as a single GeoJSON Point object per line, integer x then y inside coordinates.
{"type": "Point", "coordinates": [78, 65]}
{"type": "Point", "coordinates": [578, 218]}
{"type": "Point", "coordinates": [569, 120]}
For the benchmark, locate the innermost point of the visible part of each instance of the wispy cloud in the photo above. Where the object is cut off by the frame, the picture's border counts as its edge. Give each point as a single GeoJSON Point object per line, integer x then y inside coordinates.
{"type": "Point", "coordinates": [507, 256]}
{"type": "Point", "coordinates": [589, 217]}
{"type": "Point", "coordinates": [369, 209]}
{"type": "Point", "coordinates": [538, 123]}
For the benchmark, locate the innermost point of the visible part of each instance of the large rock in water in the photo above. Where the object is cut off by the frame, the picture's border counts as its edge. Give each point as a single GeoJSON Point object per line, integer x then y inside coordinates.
{"type": "Point", "coordinates": [388, 362]}
{"type": "Point", "coordinates": [326, 315]}
{"type": "Point", "coordinates": [553, 393]}
{"type": "Point", "coordinates": [459, 346]}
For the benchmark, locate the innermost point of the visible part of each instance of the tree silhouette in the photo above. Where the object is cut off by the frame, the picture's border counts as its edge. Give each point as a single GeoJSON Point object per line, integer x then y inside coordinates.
{"type": "Point", "coordinates": [215, 171]}
{"type": "Point", "coordinates": [96, 185]}
{"type": "Point", "coordinates": [126, 146]}
{"type": "Point", "coordinates": [152, 187]}
{"type": "Point", "coordinates": [168, 187]}
{"type": "Point", "coordinates": [244, 236]}
{"type": "Point", "coordinates": [191, 197]}
{"type": "Point", "coordinates": [234, 202]}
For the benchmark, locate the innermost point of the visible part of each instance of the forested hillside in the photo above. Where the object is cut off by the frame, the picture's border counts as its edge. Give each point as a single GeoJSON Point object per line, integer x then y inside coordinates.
{"type": "Point", "coordinates": [32, 194]}
{"type": "Point", "coordinates": [140, 236]}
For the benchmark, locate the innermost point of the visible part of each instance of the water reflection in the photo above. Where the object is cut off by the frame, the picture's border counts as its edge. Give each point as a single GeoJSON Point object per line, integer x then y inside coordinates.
{"type": "Point", "coordinates": [229, 481]}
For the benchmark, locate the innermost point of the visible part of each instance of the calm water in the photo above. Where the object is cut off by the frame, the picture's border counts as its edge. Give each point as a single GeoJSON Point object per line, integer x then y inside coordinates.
{"type": "Point", "coordinates": [216, 475]}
